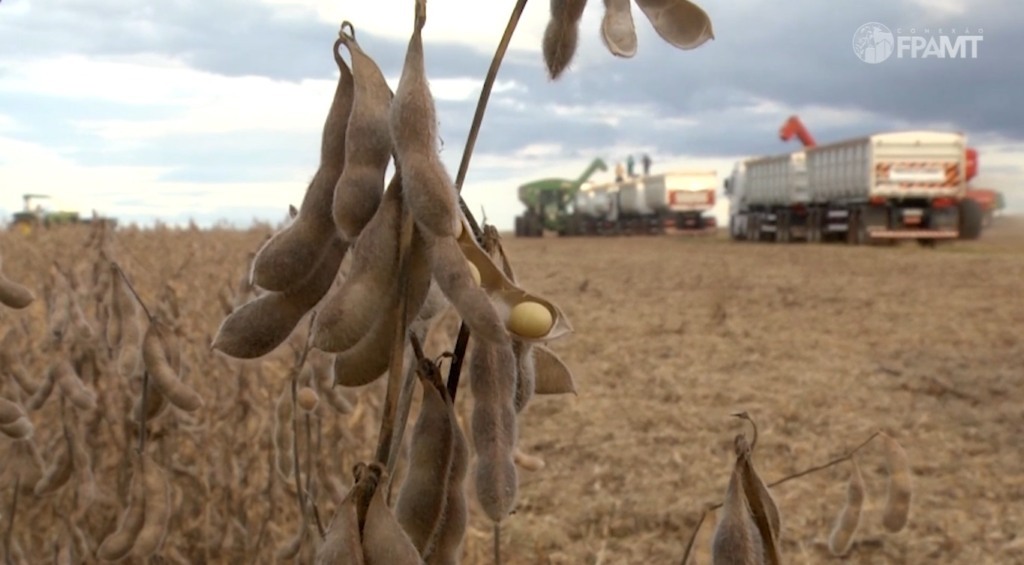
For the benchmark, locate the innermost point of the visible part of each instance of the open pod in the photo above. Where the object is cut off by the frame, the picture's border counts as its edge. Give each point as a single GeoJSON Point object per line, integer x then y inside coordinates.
{"type": "Point", "coordinates": [527, 316]}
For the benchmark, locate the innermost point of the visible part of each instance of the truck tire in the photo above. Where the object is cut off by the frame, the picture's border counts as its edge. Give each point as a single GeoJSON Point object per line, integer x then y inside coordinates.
{"type": "Point", "coordinates": [971, 219]}
{"type": "Point", "coordinates": [813, 227]}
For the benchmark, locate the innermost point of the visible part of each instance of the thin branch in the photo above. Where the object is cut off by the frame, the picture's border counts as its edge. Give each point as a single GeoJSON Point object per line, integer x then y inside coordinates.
{"type": "Point", "coordinates": [693, 537]}
{"type": "Point", "coordinates": [485, 94]}
{"type": "Point", "coordinates": [843, 458]}
{"type": "Point", "coordinates": [460, 178]}
{"type": "Point", "coordinates": [296, 370]}
{"type": "Point", "coordinates": [849, 455]}
{"type": "Point", "coordinates": [455, 370]}
{"type": "Point", "coordinates": [127, 282]}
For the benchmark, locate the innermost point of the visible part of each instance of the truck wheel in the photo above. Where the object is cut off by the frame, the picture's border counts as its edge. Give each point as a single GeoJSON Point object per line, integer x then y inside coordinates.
{"type": "Point", "coordinates": [813, 228]}
{"type": "Point", "coordinates": [971, 217]}
{"type": "Point", "coordinates": [856, 229]}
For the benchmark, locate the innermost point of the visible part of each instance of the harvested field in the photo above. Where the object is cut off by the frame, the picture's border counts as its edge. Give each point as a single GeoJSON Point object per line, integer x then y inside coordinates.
{"type": "Point", "coordinates": [822, 345]}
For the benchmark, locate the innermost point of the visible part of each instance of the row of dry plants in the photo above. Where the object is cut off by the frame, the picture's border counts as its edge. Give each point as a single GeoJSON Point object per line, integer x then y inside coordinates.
{"type": "Point", "coordinates": [132, 431]}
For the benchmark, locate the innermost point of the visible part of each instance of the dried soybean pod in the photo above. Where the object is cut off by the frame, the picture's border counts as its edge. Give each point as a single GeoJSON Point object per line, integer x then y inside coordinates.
{"type": "Point", "coordinates": [14, 295]}
{"type": "Point", "coordinates": [553, 375]}
{"type": "Point", "coordinates": [157, 513]}
{"type": "Point", "coordinates": [763, 510]}
{"type": "Point", "coordinates": [420, 508]}
{"type": "Point", "coordinates": [9, 411]}
{"type": "Point", "coordinates": [562, 35]}
{"type": "Point", "coordinates": [283, 437]}
{"type": "Point", "coordinates": [20, 428]}
{"type": "Point", "coordinates": [350, 310]}
{"type": "Point", "coordinates": [156, 403]}
{"type": "Point", "coordinates": [39, 397]}
{"type": "Point", "coordinates": [366, 361]}
{"type": "Point", "coordinates": [897, 501]}
{"type": "Point", "coordinates": [492, 380]}
{"type": "Point", "coordinates": [288, 258]}
{"type": "Point", "coordinates": [72, 386]}
{"type": "Point", "coordinates": [452, 274]}
{"type": "Point", "coordinates": [359, 188]}
{"type": "Point", "coordinates": [384, 541]}
{"type": "Point", "coordinates": [20, 374]}
{"type": "Point", "coordinates": [154, 354]}
{"type": "Point", "coordinates": [57, 474]}
{"type": "Point", "coordinates": [123, 310]}
{"type": "Point", "coordinates": [736, 540]}
{"type": "Point", "coordinates": [841, 538]}
{"type": "Point", "coordinates": [342, 544]}
{"type": "Point", "coordinates": [448, 547]}
{"type": "Point", "coordinates": [260, 326]}
{"type": "Point", "coordinates": [429, 191]}
{"type": "Point", "coordinates": [681, 23]}
{"type": "Point", "coordinates": [117, 545]}
{"type": "Point", "coordinates": [618, 31]}
{"type": "Point", "coordinates": [291, 548]}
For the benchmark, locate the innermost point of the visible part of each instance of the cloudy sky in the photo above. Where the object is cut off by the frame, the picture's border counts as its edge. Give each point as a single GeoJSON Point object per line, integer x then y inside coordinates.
{"type": "Point", "coordinates": [212, 109]}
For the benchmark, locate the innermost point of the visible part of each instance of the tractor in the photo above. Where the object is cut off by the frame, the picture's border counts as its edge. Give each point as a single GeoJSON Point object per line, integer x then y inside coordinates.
{"type": "Point", "coordinates": [549, 203]}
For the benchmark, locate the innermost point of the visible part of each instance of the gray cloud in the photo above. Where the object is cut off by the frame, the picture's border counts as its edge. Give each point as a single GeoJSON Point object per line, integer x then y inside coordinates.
{"type": "Point", "coordinates": [797, 54]}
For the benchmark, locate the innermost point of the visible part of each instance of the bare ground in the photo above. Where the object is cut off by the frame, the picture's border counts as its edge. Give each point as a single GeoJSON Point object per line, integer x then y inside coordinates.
{"type": "Point", "coordinates": [822, 345]}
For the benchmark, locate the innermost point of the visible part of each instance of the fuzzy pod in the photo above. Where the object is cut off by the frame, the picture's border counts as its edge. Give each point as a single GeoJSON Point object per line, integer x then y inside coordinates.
{"type": "Point", "coordinates": [430, 192]}
{"type": "Point", "coordinates": [422, 499]}
{"type": "Point", "coordinates": [358, 191]}
{"type": "Point", "coordinates": [493, 382]}
{"type": "Point", "coordinates": [368, 359]}
{"type": "Point", "coordinates": [72, 387]}
{"type": "Point", "coordinates": [289, 258]}
{"type": "Point", "coordinates": [680, 23]}
{"type": "Point", "coordinates": [899, 491]}
{"type": "Point", "coordinates": [736, 540]}
{"type": "Point", "coordinates": [158, 510]}
{"type": "Point", "coordinates": [154, 354]}
{"type": "Point", "coordinates": [57, 474]}
{"type": "Point", "coordinates": [841, 539]}
{"type": "Point", "coordinates": [384, 541]}
{"type": "Point", "coordinates": [561, 36]}
{"type": "Point", "coordinates": [261, 325]}
{"type": "Point", "coordinates": [342, 544]}
{"type": "Point", "coordinates": [618, 32]}
{"type": "Point", "coordinates": [448, 547]}
{"type": "Point", "coordinates": [351, 308]}
{"type": "Point", "coordinates": [14, 295]}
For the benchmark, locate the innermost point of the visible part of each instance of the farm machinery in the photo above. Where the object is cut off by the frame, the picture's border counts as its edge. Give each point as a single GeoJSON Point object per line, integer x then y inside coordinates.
{"type": "Point", "coordinates": [31, 217]}
{"type": "Point", "coordinates": [650, 204]}
{"type": "Point", "coordinates": [977, 205]}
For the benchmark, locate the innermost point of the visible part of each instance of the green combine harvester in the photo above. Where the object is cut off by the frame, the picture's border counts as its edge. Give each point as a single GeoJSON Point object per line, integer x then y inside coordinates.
{"type": "Point", "coordinates": [549, 203]}
{"type": "Point", "coordinates": [33, 218]}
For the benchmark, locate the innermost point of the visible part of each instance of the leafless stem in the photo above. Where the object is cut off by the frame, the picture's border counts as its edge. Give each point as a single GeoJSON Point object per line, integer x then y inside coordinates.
{"type": "Point", "coordinates": [843, 458]}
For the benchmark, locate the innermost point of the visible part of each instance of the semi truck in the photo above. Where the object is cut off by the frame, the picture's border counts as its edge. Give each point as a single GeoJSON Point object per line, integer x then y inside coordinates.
{"type": "Point", "coordinates": [977, 207]}
{"type": "Point", "coordinates": [882, 187]}
{"type": "Point", "coordinates": [676, 201]}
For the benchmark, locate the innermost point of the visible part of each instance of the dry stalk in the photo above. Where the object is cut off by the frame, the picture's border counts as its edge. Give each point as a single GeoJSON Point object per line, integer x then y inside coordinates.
{"type": "Point", "coordinates": [832, 463]}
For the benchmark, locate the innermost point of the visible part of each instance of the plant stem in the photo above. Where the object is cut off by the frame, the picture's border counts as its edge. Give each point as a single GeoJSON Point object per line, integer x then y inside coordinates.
{"type": "Point", "coordinates": [845, 457]}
